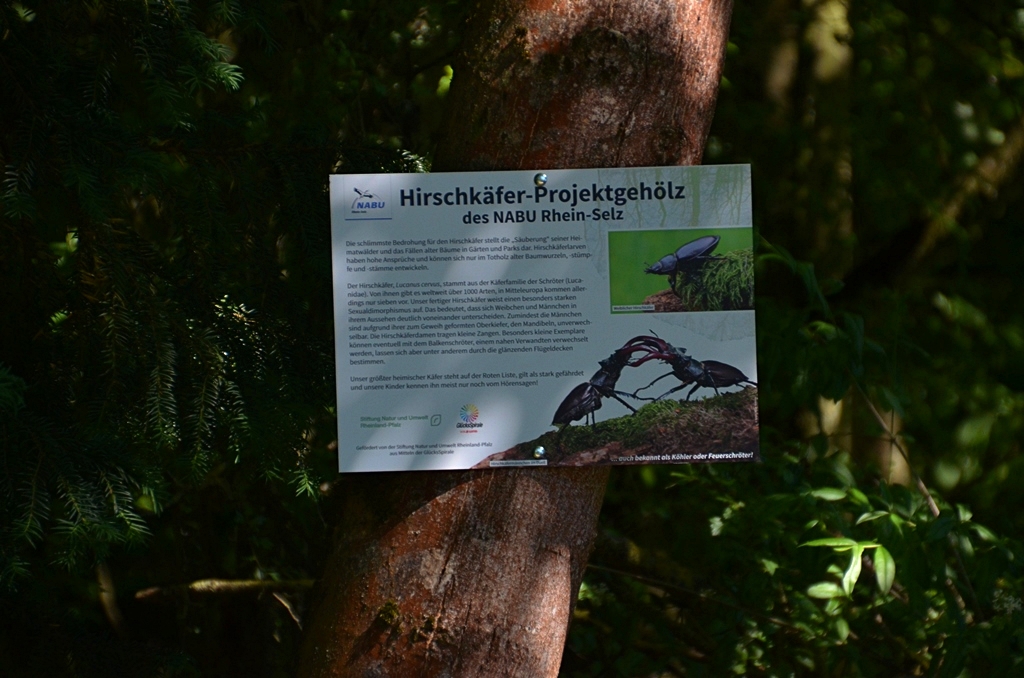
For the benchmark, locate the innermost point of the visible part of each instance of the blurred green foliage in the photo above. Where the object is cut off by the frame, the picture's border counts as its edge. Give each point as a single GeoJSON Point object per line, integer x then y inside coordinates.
{"type": "Point", "coordinates": [885, 139]}
{"type": "Point", "coordinates": [166, 377]}
{"type": "Point", "coordinates": [166, 334]}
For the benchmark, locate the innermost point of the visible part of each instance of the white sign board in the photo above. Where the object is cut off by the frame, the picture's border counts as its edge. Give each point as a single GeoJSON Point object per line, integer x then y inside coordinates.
{"type": "Point", "coordinates": [473, 310]}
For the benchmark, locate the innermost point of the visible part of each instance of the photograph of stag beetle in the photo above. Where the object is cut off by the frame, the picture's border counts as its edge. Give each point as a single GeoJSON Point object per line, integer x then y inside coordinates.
{"type": "Point", "coordinates": [680, 270]}
{"type": "Point", "coordinates": [584, 400]}
{"type": "Point", "coordinates": [687, 261]}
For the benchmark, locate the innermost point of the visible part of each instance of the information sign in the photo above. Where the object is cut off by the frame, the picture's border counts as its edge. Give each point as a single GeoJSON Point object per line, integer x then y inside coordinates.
{"type": "Point", "coordinates": [477, 312]}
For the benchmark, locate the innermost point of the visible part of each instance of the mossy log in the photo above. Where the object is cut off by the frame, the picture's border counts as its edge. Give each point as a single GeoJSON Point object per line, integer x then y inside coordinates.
{"type": "Point", "coordinates": [720, 428]}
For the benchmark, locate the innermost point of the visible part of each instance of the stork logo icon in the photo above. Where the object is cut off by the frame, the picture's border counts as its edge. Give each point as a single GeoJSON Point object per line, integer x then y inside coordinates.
{"type": "Point", "coordinates": [365, 197]}
{"type": "Point", "coordinates": [365, 201]}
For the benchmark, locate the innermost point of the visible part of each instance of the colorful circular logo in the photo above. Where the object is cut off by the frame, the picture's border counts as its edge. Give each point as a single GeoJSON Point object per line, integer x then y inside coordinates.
{"type": "Point", "coordinates": [469, 414]}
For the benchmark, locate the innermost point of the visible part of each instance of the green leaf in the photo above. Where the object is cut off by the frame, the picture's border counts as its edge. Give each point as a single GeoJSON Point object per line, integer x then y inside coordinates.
{"type": "Point", "coordinates": [839, 544]}
{"type": "Point", "coordinates": [822, 329]}
{"type": "Point", "coordinates": [983, 532]}
{"type": "Point", "coordinates": [898, 522]}
{"type": "Point", "coordinates": [829, 493]}
{"type": "Point", "coordinates": [885, 569]}
{"type": "Point", "coordinates": [858, 497]}
{"type": "Point", "coordinates": [852, 573]}
{"type": "Point", "coordinates": [941, 526]}
{"type": "Point", "coordinates": [873, 515]}
{"type": "Point", "coordinates": [825, 590]}
{"type": "Point", "coordinates": [842, 628]}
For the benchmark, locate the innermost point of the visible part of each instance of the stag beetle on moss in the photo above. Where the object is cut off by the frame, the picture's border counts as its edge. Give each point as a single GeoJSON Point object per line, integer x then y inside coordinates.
{"type": "Point", "coordinates": [584, 400]}
{"type": "Point", "coordinates": [688, 259]}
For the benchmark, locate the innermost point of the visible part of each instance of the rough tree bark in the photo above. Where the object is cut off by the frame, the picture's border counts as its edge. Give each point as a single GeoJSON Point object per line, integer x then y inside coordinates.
{"type": "Point", "coordinates": [475, 573]}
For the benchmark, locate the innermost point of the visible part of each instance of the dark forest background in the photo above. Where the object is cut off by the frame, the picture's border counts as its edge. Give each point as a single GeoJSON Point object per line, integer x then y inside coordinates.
{"type": "Point", "coordinates": [166, 340]}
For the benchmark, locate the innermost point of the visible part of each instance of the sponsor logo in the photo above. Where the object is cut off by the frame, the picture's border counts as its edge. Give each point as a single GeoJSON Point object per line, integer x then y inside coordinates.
{"type": "Point", "coordinates": [469, 417]}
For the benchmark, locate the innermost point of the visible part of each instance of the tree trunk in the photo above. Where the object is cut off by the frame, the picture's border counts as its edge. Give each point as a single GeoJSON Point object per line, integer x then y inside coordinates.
{"type": "Point", "coordinates": [475, 573]}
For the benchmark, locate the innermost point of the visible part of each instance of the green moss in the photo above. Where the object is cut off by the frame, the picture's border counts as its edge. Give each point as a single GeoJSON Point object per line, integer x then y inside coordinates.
{"type": "Point", "coordinates": [389, 614]}
{"type": "Point", "coordinates": [630, 430]}
{"type": "Point", "coordinates": [724, 284]}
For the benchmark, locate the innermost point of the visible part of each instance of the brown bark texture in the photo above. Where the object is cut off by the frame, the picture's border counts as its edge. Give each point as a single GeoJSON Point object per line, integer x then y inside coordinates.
{"type": "Point", "coordinates": [475, 573]}
{"type": "Point", "coordinates": [586, 83]}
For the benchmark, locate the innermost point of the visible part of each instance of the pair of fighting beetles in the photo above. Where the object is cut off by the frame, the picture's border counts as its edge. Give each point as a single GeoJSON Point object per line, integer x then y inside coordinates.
{"type": "Point", "coordinates": [585, 399]}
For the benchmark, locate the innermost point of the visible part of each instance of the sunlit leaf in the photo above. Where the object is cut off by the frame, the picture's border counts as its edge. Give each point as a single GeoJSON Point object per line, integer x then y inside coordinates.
{"type": "Point", "coordinates": [842, 628]}
{"type": "Point", "coordinates": [837, 543]}
{"type": "Point", "coordinates": [885, 569]}
{"type": "Point", "coordinates": [825, 590]}
{"type": "Point", "coordinates": [873, 515]}
{"type": "Point", "coordinates": [858, 497]}
{"type": "Point", "coordinates": [852, 573]}
{"type": "Point", "coordinates": [983, 532]}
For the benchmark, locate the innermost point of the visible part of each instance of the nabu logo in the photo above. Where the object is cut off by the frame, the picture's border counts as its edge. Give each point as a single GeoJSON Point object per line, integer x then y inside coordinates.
{"type": "Point", "coordinates": [366, 200]}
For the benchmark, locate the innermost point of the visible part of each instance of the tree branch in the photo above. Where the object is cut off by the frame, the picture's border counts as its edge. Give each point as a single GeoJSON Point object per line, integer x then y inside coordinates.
{"type": "Point", "coordinates": [216, 587]}
{"type": "Point", "coordinates": [986, 178]}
